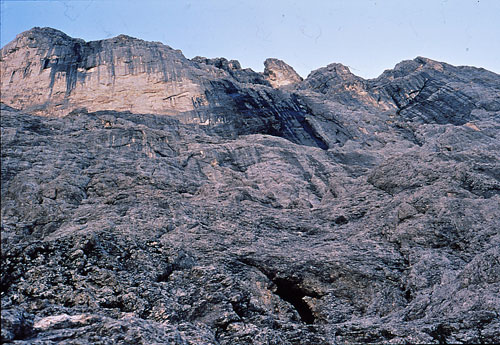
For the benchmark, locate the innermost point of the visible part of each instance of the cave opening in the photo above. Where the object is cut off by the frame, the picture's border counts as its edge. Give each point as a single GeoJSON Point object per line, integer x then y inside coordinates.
{"type": "Point", "coordinates": [291, 293]}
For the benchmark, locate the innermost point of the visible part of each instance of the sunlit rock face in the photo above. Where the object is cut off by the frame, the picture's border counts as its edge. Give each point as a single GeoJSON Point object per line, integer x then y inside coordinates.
{"type": "Point", "coordinates": [47, 72]}
{"type": "Point", "coordinates": [278, 73]}
{"type": "Point", "coordinates": [165, 200]}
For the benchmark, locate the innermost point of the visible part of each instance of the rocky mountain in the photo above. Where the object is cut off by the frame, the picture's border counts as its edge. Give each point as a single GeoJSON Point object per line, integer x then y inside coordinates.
{"type": "Point", "coordinates": [150, 198]}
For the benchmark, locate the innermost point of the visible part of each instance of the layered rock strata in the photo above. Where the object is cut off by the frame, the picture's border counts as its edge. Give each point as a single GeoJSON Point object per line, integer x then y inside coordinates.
{"type": "Point", "coordinates": [325, 211]}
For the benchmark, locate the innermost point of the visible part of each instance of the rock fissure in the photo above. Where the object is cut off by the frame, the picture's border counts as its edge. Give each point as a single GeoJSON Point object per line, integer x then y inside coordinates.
{"type": "Point", "coordinates": [294, 295]}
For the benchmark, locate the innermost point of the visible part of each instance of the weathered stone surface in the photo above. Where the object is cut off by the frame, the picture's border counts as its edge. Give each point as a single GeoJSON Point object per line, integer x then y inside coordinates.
{"type": "Point", "coordinates": [332, 210]}
{"type": "Point", "coordinates": [45, 71]}
{"type": "Point", "coordinates": [48, 73]}
{"type": "Point", "coordinates": [279, 73]}
{"type": "Point", "coordinates": [16, 323]}
{"type": "Point", "coordinates": [233, 68]}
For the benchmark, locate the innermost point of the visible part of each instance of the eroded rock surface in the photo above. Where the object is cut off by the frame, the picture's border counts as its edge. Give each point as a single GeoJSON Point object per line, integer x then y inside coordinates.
{"type": "Point", "coordinates": [332, 210]}
{"type": "Point", "coordinates": [47, 72]}
{"type": "Point", "coordinates": [278, 73]}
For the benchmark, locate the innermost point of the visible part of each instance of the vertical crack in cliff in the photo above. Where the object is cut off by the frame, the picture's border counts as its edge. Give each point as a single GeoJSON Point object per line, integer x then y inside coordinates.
{"type": "Point", "coordinates": [315, 136]}
{"type": "Point", "coordinates": [412, 98]}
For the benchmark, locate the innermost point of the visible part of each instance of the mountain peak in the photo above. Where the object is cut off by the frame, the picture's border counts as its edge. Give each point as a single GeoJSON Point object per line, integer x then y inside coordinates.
{"type": "Point", "coordinates": [336, 71]}
{"type": "Point", "coordinates": [122, 39]}
{"type": "Point", "coordinates": [279, 73]}
{"type": "Point", "coordinates": [39, 36]}
{"type": "Point", "coordinates": [407, 67]}
{"type": "Point", "coordinates": [339, 69]}
{"type": "Point", "coordinates": [46, 31]}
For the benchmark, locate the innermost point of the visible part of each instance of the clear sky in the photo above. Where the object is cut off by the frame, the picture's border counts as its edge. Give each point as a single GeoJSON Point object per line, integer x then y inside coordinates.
{"type": "Point", "coordinates": [369, 36]}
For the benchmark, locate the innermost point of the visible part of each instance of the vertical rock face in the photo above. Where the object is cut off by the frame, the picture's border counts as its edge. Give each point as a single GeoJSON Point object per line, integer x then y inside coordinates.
{"type": "Point", "coordinates": [278, 73]}
{"type": "Point", "coordinates": [244, 207]}
{"type": "Point", "coordinates": [47, 72]}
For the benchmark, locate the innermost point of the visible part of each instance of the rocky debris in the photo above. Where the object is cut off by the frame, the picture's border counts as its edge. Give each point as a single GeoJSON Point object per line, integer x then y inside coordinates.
{"type": "Point", "coordinates": [278, 73]}
{"type": "Point", "coordinates": [332, 210]}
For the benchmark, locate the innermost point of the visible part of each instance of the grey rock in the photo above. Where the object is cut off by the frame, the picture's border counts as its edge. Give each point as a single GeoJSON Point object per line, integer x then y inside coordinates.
{"type": "Point", "coordinates": [222, 63]}
{"type": "Point", "coordinates": [331, 210]}
{"type": "Point", "coordinates": [16, 323]}
{"type": "Point", "coordinates": [233, 68]}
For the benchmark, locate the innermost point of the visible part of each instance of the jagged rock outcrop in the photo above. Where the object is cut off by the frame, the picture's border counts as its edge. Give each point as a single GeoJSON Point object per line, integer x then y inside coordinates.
{"type": "Point", "coordinates": [234, 69]}
{"type": "Point", "coordinates": [425, 91]}
{"type": "Point", "coordinates": [331, 210]}
{"type": "Point", "coordinates": [278, 73]}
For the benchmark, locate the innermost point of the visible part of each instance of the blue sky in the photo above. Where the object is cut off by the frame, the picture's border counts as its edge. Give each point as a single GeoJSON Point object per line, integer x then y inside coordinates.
{"type": "Point", "coordinates": [366, 35]}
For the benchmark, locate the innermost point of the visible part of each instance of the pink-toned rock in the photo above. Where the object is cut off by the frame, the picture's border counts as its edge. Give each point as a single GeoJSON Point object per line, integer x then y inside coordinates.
{"type": "Point", "coordinates": [278, 73]}
{"type": "Point", "coordinates": [46, 72]}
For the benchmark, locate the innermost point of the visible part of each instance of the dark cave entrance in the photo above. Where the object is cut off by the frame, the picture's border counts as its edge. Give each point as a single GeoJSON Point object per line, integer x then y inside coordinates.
{"type": "Point", "coordinates": [291, 293]}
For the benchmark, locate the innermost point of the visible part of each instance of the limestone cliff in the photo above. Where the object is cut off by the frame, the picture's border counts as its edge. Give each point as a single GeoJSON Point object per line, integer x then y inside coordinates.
{"type": "Point", "coordinates": [48, 73]}
{"type": "Point", "coordinates": [329, 210]}
{"type": "Point", "coordinates": [45, 72]}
